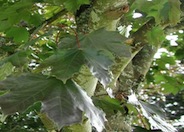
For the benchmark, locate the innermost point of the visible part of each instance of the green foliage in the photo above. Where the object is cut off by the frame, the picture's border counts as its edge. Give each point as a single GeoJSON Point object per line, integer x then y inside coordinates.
{"type": "Point", "coordinates": [45, 63]}
{"type": "Point", "coordinates": [74, 5]}
{"type": "Point", "coordinates": [153, 38]}
{"type": "Point", "coordinates": [153, 114]}
{"type": "Point", "coordinates": [101, 50]}
{"type": "Point", "coordinates": [171, 12]}
{"type": "Point", "coordinates": [6, 70]}
{"type": "Point", "coordinates": [109, 105]}
{"type": "Point", "coordinates": [26, 92]}
{"type": "Point", "coordinates": [24, 122]}
{"type": "Point", "coordinates": [18, 59]}
{"type": "Point", "coordinates": [165, 78]}
{"type": "Point", "coordinates": [13, 13]}
{"type": "Point", "coordinates": [164, 12]}
{"type": "Point", "coordinates": [72, 59]}
{"type": "Point", "coordinates": [70, 5]}
{"type": "Point", "coordinates": [18, 34]}
{"type": "Point", "coordinates": [95, 52]}
{"type": "Point", "coordinates": [165, 59]}
{"type": "Point", "coordinates": [59, 100]}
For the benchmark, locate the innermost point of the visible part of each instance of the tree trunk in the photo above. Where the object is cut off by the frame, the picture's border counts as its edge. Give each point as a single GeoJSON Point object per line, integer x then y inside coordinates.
{"type": "Point", "coordinates": [104, 14]}
{"type": "Point", "coordinates": [107, 14]}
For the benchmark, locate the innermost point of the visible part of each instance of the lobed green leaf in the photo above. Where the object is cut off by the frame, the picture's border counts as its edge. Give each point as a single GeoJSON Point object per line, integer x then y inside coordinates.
{"type": "Point", "coordinates": [97, 49]}
{"type": "Point", "coordinates": [64, 63]}
{"type": "Point", "coordinates": [164, 12]}
{"type": "Point", "coordinates": [62, 103]}
{"type": "Point", "coordinates": [18, 34]}
{"type": "Point", "coordinates": [153, 38]}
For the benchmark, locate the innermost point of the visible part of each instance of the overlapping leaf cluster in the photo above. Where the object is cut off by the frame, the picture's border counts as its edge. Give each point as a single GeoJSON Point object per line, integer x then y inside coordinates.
{"type": "Point", "coordinates": [63, 103]}
{"type": "Point", "coordinates": [164, 12]}
{"type": "Point", "coordinates": [97, 50]}
{"type": "Point", "coordinates": [62, 99]}
{"type": "Point", "coordinates": [57, 61]}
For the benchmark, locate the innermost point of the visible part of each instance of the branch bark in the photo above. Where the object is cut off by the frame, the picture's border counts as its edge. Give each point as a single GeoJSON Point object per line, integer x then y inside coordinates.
{"type": "Point", "coordinates": [136, 70]}
{"type": "Point", "coordinates": [106, 14]}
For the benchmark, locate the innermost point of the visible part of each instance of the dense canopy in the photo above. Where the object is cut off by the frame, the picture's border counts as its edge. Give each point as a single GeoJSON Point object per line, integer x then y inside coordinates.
{"type": "Point", "coordinates": [91, 65]}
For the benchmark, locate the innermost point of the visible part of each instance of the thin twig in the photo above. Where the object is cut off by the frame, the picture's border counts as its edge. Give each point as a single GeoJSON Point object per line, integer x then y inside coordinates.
{"type": "Point", "coordinates": [76, 37]}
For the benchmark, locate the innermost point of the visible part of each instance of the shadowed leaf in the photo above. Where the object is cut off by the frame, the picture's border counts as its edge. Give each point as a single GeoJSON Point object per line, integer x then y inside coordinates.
{"type": "Point", "coordinates": [64, 63]}
{"type": "Point", "coordinates": [62, 103]}
{"type": "Point", "coordinates": [107, 40]}
{"type": "Point", "coordinates": [101, 47]}
{"type": "Point", "coordinates": [24, 91]}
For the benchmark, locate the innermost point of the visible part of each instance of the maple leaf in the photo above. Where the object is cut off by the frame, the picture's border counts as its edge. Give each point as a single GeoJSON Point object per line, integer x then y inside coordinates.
{"type": "Point", "coordinates": [62, 103]}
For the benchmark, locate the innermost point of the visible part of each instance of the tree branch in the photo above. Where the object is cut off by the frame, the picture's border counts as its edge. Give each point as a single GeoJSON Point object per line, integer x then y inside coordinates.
{"type": "Point", "coordinates": [139, 65]}
{"type": "Point", "coordinates": [49, 20]}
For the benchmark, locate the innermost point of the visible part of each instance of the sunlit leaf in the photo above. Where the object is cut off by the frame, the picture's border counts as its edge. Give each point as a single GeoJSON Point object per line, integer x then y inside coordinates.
{"type": "Point", "coordinates": [158, 78]}
{"type": "Point", "coordinates": [82, 127]}
{"type": "Point", "coordinates": [169, 83]}
{"type": "Point", "coordinates": [168, 59]}
{"type": "Point", "coordinates": [170, 87]}
{"type": "Point", "coordinates": [68, 103]}
{"type": "Point", "coordinates": [48, 123]}
{"type": "Point", "coordinates": [153, 114]}
{"type": "Point", "coordinates": [18, 34]}
{"type": "Point", "coordinates": [153, 109]}
{"type": "Point", "coordinates": [99, 64]}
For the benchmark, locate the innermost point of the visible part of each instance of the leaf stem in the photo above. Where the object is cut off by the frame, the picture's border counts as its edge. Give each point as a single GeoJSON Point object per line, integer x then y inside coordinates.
{"type": "Point", "coordinates": [77, 38]}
